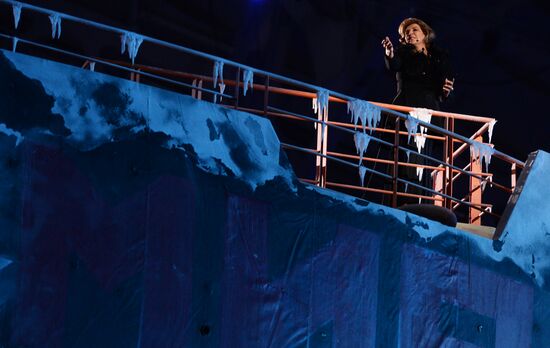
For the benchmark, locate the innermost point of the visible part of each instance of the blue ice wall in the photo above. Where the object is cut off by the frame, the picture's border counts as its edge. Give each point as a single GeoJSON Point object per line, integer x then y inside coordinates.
{"type": "Point", "coordinates": [136, 217]}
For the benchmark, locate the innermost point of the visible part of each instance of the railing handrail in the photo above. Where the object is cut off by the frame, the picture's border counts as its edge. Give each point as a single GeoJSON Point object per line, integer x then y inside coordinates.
{"type": "Point", "coordinates": [384, 107]}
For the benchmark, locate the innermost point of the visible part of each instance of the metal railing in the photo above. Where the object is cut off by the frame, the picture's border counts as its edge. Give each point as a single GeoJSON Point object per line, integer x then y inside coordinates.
{"type": "Point", "coordinates": [273, 98]}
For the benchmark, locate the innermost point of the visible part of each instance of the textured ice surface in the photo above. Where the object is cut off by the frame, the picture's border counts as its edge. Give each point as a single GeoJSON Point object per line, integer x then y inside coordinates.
{"type": "Point", "coordinates": [16, 14]}
{"type": "Point", "coordinates": [248, 80]}
{"type": "Point", "coordinates": [225, 141]}
{"type": "Point", "coordinates": [55, 20]}
{"type": "Point", "coordinates": [130, 42]}
{"type": "Point", "coordinates": [368, 113]}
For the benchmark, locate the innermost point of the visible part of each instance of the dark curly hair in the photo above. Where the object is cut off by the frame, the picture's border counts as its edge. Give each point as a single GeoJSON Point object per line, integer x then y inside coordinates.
{"type": "Point", "coordinates": [426, 29]}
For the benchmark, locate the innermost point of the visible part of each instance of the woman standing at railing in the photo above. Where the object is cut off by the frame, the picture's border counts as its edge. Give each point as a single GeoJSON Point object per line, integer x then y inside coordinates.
{"type": "Point", "coordinates": [424, 79]}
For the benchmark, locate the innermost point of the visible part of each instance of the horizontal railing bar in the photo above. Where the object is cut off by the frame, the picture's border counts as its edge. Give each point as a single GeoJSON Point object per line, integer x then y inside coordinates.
{"type": "Point", "coordinates": [377, 140]}
{"type": "Point", "coordinates": [83, 57]}
{"type": "Point", "coordinates": [383, 130]}
{"type": "Point", "coordinates": [378, 173]}
{"type": "Point", "coordinates": [377, 160]}
{"type": "Point", "coordinates": [293, 147]}
{"type": "Point", "coordinates": [402, 194]}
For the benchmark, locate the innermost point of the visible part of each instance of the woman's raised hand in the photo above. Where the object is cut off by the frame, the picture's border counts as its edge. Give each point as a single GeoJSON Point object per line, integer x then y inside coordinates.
{"type": "Point", "coordinates": [388, 47]}
{"type": "Point", "coordinates": [448, 87]}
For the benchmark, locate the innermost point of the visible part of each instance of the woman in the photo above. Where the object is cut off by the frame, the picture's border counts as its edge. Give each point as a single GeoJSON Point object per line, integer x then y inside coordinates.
{"type": "Point", "coordinates": [423, 71]}
{"type": "Point", "coordinates": [424, 79]}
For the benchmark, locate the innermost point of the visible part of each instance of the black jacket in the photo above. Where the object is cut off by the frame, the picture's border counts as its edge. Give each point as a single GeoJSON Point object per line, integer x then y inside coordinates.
{"type": "Point", "coordinates": [420, 77]}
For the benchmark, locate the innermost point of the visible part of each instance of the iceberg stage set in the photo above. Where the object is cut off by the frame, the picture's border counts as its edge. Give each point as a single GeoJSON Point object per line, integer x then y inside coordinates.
{"type": "Point", "coordinates": [136, 214]}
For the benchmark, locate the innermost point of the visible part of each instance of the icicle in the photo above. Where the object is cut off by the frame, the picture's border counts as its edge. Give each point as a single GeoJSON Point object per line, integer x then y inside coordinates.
{"type": "Point", "coordinates": [362, 171]}
{"type": "Point", "coordinates": [368, 113]}
{"type": "Point", "coordinates": [217, 73]}
{"type": "Point", "coordinates": [55, 19]}
{"type": "Point", "coordinates": [491, 126]}
{"type": "Point", "coordinates": [408, 153]}
{"type": "Point", "coordinates": [412, 126]}
{"type": "Point", "coordinates": [421, 114]}
{"type": "Point", "coordinates": [16, 14]}
{"type": "Point", "coordinates": [482, 152]}
{"type": "Point", "coordinates": [488, 179]}
{"type": "Point", "coordinates": [92, 66]}
{"type": "Point", "coordinates": [14, 44]}
{"type": "Point", "coordinates": [131, 42]}
{"type": "Point", "coordinates": [320, 104]}
{"type": "Point", "coordinates": [248, 80]}
{"type": "Point", "coordinates": [222, 89]}
{"type": "Point", "coordinates": [419, 173]}
{"type": "Point", "coordinates": [361, 143]}
{"type": "Point", "coordinates": [406, 186]}
{"type": "Point", "coordinates": [420, 142]}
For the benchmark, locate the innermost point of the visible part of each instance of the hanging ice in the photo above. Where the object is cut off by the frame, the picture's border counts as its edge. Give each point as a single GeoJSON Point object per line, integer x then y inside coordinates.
{"type": "Point", "coordinates": [16, 13]}
{"type": "Point", "coordinates": [131, 42]}
{"type": "Point", "coordinates": [320, 104]}
{"type": "Point", "coordinates": [14, 44]}
{"type": "Point", "coordinates": [222, 89]}
{"type": "Point", "coordinates": [248, 80]}
{"type": "Point", "coordinates": [361, 143]}
{"type": "Point", "coordinates": [408, 153]}
{"type": "Point", "coordinates": [92, 66]}
{"type": "Point", "coordinates": [491, 126]}
{"type": "Point", "coordinates": [55, 19]}
{"type": "Point", "coordinates": [217, 73]}
{"type": "Point", "coordinates": [362, 171]}
{"type": "Point", "coordinates": [419, 172]}
{"type": "Point", "coordinates": [323, 130]}
{"type": "Point", "coordinates": [484, 182]}
{"type": "Point", "coordinates": [412, 126]}
{"type": "Point", "coordinates": [368, 113]}
{"type": "Point", "coordinates": [424, 115]}
{"type": "Point", "coordinates": [482, 152]}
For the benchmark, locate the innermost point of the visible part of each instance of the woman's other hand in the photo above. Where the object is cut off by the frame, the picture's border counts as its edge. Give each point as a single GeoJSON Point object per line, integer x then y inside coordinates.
{"type": "Point", "coordinates": [388, 47]}
{"type": "Point", "coordinates": [448, 87]}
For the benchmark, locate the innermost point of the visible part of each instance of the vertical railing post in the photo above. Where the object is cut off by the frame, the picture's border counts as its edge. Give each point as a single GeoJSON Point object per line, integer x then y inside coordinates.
{"type": "Point", "coordinates": [448, 185]}
{"type": "Point", "coordinates": [395, 162]}
{"type": "Point", "coordinates": [266, 94]}
{"type": "Point", "coordinates": [324, 140]}
{"type": "Point", "coordinates": [237, 87]}
{"type": "Point", "coordinates": [513, 177]}
{"type": "Point", "coordinates": [475, 187]}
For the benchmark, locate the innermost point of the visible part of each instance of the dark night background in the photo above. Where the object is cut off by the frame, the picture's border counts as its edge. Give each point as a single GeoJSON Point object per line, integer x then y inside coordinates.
{"type": "Point", "coordinates": [499, 48]}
